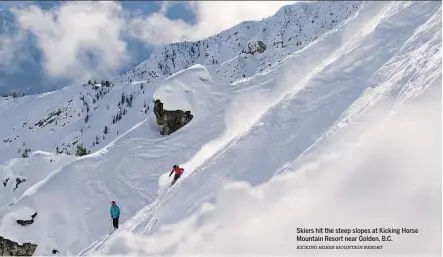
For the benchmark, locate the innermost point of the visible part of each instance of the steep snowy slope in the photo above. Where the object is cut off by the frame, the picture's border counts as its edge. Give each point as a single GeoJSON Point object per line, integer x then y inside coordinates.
{"type": "Point", "coordinates": [246, 130]}
{"type": "Point", "coordinates": [261, 43]}
{"type": "Point", "coordinates": [390, 50]}
{"type": "Point", "coordinates": [93, 116]}
{"type": "Point", "coordinates": [382, 173]}
{"type": "Point", "coordinates": [77, 115]}
{"type": "Point", "coordinates": [17, 175]}
{"type": "Point", "coordinates": [122, 171]}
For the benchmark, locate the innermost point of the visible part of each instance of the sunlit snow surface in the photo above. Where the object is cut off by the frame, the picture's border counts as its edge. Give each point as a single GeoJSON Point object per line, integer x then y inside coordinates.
{"type": "Point", "coordinates": [338, 121]}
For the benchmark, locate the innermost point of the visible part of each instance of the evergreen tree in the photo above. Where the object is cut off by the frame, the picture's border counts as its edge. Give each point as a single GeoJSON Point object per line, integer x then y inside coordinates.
{"type": "Point", "coordinates": [81, 151]}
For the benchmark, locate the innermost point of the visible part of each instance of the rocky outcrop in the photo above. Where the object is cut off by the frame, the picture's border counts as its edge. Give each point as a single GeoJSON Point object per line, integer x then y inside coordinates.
{"type": "Point", "coordinates": [27, 222]}
{"type": "Point", "coordinates": [18, 181]}
{"type": "Point", "coordinates": [170, 121]}
{"type": "Point", "coordinates": [11, 248]}
{"type": "Point", "coordinates": [255, 47]}
{"type": "Point", "coordinates": [5, 182]}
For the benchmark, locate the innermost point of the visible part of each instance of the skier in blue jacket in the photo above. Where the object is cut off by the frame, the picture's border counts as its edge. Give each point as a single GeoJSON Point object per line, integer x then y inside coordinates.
{"type": "Point", "coordinates": [115, 214]}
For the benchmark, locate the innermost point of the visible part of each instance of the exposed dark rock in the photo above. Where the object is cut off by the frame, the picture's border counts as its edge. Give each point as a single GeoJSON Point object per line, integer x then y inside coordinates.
{"type": "Point", "coordinates": [11, 248]}
{"type": "Point", "coordinates": [170, 121]}
{"type": "Point", "coordinates": [18, 182]}
{"type": "Point", "coordinates": [27, 222]}
{"type": "Point", "coordinates": [55, 251]}
{"type": "Point", "coordinates": [255, 47]}
{"type": "Point", "coordinates": [45, 121]}
{"type": "Point", "coordinates": [5, 182]}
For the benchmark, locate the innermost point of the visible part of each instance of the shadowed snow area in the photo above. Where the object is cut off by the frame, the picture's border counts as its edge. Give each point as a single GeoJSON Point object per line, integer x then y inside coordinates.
{"type": "Point", "coordinates": [333, 117]}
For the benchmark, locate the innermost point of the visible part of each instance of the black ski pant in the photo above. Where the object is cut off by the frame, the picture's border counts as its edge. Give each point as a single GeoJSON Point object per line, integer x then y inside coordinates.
{"type": "Point", "coordinates": [176, 177]}
{"type": "Point", "coordinates": [115, 222]}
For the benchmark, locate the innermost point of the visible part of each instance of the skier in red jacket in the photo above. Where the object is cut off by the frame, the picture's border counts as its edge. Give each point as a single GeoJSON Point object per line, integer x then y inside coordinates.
{"type": "Point", "coordinates": [178, 172]}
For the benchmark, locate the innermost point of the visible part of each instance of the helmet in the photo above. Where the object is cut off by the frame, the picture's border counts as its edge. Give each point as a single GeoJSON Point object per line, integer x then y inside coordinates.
{"type": "Point", "coordinates": [175, 166]}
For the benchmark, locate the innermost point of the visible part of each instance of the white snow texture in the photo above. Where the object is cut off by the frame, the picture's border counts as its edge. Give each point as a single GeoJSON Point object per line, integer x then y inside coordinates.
{"type": "Point", "coordinates": [325, 115]}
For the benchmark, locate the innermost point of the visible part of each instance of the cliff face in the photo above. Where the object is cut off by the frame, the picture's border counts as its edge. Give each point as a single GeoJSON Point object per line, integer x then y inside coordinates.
{"type": "Point", "coordinates": [170, 121]}
{"type": "Point", "coordinates": [11, 248]}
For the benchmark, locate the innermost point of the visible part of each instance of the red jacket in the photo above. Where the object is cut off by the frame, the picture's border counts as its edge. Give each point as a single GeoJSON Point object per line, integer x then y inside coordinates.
{"type": "Point", "coordinates": [177, 171]}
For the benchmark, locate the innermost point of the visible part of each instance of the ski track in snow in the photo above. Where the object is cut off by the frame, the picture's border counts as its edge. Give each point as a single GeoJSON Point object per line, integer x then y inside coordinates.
{"type": "Point", "coordinates": [248, 130]}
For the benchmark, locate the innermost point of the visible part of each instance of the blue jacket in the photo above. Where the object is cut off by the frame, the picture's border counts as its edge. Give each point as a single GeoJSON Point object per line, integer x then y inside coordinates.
{"type": "Point", "coordinates": [115, 211]}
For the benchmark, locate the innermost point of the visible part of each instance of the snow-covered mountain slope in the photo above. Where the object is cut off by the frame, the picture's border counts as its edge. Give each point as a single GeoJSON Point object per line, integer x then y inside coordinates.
{"type": "Point", "coordinates": [92, 115]}
{"type": "Point", "coordinates": [388, 50]}
{"type": "Point", "coordinates": [79, 114]}
{"type": "Point", "coordinates": [381, 173]}
{"type": "Point", "coordinates": [131, 179]}
{"type": "Point", "coordinates": [247, 130]}
{"type": "Point", "coordinates": [59, 121]}
{"type": "Point", "coordinates": [249, 47]}
{"type": "Point", "coordinates": [17, 175]}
